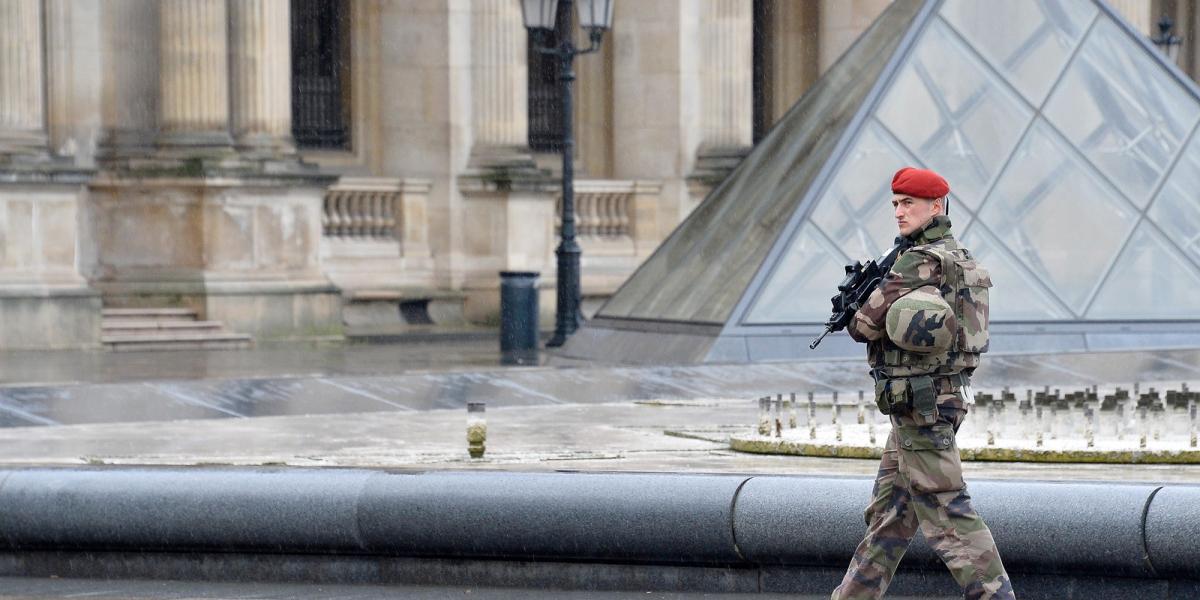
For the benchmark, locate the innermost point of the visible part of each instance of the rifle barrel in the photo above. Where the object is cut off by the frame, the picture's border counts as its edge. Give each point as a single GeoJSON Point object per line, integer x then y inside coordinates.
{"type": "Point", "coordinates": [813, 345]}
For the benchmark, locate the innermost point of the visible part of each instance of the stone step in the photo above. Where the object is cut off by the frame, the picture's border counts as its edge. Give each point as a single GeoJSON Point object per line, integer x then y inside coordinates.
{"type": "Point", "coordinates": [164, 346]}
{"type": "Point", "coordinates": [176, 340]}
{"type": "Point", "coordinates": [139, 325]}
{"type": "Point", "coordinates": [142, 314]}
{"type": "Point", "coordinates": [155, 329]}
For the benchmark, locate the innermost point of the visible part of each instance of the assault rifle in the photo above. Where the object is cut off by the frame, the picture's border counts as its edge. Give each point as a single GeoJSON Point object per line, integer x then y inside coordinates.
{"type": "Point", "coordinates": [860, 281]}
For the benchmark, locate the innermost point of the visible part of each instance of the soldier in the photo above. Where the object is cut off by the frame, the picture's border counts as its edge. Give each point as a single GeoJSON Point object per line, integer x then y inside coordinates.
{"type": "Point", "coordinates": [925, 327]}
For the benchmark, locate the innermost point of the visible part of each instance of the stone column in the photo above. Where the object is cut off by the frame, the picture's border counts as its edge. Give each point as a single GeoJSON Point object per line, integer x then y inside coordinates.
{"type": "Point", "coordinates": [1139, 13]}
{"type": "Point", "coordinates": [726, 88]}
{"type": "Point", "coordinates": [194, 80]}
{"type": "Point", "coordinates": [499, 84]}
{"type": "Point", "coordinates": [726, 74]}
{"type": "Point", "coordinates": [791, 56]}
{"type": "Point", "coordinates": [260, 39]}
{"type": "Point", "coordinates": [22, 105]}
{"type": "Point", "coordinates": [842, 21]}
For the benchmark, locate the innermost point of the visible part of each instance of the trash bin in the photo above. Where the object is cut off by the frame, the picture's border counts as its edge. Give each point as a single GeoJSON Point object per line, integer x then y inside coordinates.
{"type": "Point", "coordinates": [518, 317]}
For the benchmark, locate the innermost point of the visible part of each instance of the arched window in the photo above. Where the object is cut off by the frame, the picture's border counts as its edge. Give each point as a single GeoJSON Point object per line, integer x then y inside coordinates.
{"type": "Point", "coordinates": [321, 74]}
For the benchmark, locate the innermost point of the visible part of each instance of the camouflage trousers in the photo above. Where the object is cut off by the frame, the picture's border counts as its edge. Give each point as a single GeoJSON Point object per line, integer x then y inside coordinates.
{"type": "Point", "coordinates": [920, 484]}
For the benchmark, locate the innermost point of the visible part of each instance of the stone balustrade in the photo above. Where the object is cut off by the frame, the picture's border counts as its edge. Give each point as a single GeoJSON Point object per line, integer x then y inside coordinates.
{"type": "Point", "coordinates": [612, 210]}
{"type": "Point", "coordinates": [376, 233]}
{"type": "Point", "coordinates": [364, 208]}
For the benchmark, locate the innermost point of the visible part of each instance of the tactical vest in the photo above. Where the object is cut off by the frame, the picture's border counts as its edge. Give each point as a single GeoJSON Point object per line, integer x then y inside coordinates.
{"type": "Point", "coordinates": [964, 287]}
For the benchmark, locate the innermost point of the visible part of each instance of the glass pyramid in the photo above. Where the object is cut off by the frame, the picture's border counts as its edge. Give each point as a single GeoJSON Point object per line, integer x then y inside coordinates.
{"type": "Point", "coordinates": [1071, 150]}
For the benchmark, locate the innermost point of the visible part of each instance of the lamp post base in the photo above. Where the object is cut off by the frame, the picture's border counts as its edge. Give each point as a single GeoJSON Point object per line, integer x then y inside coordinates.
{"type": "Point", "coordinates": [568, 317]}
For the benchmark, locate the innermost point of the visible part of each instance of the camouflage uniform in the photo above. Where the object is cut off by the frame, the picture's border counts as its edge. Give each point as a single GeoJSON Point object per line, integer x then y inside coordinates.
{"type": "Point", "coordinates": [920, 477]}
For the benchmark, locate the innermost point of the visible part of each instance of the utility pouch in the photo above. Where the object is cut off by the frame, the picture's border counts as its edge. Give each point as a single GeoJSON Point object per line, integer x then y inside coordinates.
{"type": "Point", "coordinates": [929, 459]}
{"type": "Point", "coordinates": [924, 399]}
{"type": "Point", "coordinates": [938, 437]}
{"type": "Point", "coordinates": [898, 392]}
{"type": "Point", "coordinates": [883, 399]}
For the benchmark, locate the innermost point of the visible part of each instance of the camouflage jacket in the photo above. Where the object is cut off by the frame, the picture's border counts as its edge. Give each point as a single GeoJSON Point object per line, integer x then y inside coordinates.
{"type": "Point", "coordinates": [934, 249]}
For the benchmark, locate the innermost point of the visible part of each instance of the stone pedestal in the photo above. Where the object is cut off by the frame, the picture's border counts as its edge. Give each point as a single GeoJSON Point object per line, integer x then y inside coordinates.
{"type": "Point", "coordinates": [242, 250]}
{"type": "Point", "coordinates": [45, 303]}
{"type": "Point", "coordinates": [508, 226]}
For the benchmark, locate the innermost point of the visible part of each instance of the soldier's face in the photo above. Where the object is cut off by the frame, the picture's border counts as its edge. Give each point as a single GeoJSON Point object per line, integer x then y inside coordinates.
{"type": "Point", "coordinates": [912, 214]}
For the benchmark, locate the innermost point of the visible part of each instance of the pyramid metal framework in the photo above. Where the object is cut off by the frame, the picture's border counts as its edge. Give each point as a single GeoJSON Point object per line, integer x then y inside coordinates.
{"type": "Point", "coordinates": [1071, 149]}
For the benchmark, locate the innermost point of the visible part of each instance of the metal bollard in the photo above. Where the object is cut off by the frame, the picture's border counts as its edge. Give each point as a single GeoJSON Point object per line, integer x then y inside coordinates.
{"type": "Point", "coordinates": [1143, 425]}
{"type": "Point", "coordinates": [792, 417]}
{"type": "Point", "coordinates": [1089, 432]}
{"type": "Point", "coordinates": [476, 429]}
{"type": "Point", "coordinates": [764, 415]}
{"type": "Point", "coordinates": [1040, 426]}
{"type": "Point", "coordinates": [837, 417]}
{"type": "Point", "coordinates": [812, 417]}
{"type": "Point", "coordinates": [991, 424]}
{"type": "Point", "coordinates": [1192, 418]}
{"type": "Point", "coordinates": [777, 416]}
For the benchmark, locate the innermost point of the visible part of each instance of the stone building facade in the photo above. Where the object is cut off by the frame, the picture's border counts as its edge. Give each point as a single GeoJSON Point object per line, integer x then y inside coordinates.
{"type": "Point", "coordinates": [304, 168]}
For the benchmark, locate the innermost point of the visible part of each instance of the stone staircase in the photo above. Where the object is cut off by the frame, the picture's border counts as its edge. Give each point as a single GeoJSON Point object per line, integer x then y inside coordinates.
{"type": "Point", "coordinates": [153, 329]}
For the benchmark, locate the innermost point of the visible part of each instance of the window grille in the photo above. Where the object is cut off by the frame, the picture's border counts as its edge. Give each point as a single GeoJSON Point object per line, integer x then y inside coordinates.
{"type": "Point", "coordinates": [320, 74]}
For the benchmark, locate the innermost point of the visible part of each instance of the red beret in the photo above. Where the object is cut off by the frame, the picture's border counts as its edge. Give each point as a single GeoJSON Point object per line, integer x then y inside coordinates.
{"type": "Point", "coordinates": [919, 183]}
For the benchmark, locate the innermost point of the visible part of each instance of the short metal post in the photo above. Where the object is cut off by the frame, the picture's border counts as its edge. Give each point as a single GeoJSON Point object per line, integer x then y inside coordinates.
{"type": "Point", "coordinates": [792, 416]}
{"type": "Point", "coordinates": [1089, 432]}
{"type": "Point", "coordinates": [1026, 408]}
{"type": "Point", "coordinates": [764, 415]}
{"type": "Point", "coordinates": [1040, 426]}
{"type": "Point", "coordinates": [812, 416]}
{"type": "Point", "coordinates": [837, 417]}
{"type": "Point", "coordinates": [777, 416]}
{"type": "Point", "coordinates": [1143, 425]}
{"type": "Point", "coordinates": [991, 424]}
{"type": "Point", "coordinates": [1192, 418]}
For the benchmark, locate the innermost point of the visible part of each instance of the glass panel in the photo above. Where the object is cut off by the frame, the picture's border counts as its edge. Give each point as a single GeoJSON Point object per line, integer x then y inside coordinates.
{"type": "Point", "coordinates": [1176, 210]}
{"type": "Point", "coordinates": [1052, 212]}
{"type": "Point", "coordinates": [701, 271]}
{"type": "Point", "coordinates": [960, 218]}
{"type": "Point", "coordinates": [855, 210]}
{"type": "Point", "coordinates": [1150, 281]}
{"type": "Point", "coordinates": [1034, 43]}
{"type": "Point", "coordinates": [1014, 296]}
{"type": "Point", "coordinates": [1123, 110]}
{"type": "Point", "coordinates": [946, 107]}
{"type": "Point", "coordinates": [805, 277]}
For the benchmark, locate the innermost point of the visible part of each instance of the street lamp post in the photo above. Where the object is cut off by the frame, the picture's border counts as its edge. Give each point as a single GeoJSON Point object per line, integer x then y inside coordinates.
{"type": "Point", "coordinates": [1167, 41]}
{"type": "Point", "coordinates": [595, 16]}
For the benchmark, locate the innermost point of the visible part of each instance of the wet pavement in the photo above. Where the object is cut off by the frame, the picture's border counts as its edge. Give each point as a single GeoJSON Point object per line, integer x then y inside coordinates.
{"type": "Point", "coordinates": [131, 387]}
{"type": "Point", "coordinates": [401, 406]}
{"type": "Point", "coordinates": [290, 359]}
